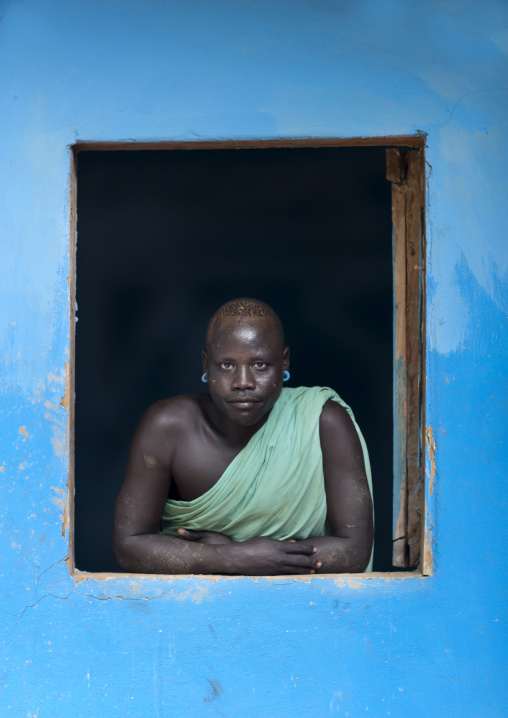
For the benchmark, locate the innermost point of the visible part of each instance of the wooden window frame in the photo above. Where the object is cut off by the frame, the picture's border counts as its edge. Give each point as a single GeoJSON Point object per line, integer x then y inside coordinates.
{"type": "Point", "coordinates": [406, 171]}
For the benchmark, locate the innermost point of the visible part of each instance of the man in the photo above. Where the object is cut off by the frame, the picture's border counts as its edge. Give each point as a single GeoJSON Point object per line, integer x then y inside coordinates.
{"type": "Point", "coordinates": [251, 478]}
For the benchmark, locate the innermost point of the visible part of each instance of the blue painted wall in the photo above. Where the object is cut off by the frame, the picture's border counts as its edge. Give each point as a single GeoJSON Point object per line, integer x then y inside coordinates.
{"type": "Point", "coordinates": [133, 70]}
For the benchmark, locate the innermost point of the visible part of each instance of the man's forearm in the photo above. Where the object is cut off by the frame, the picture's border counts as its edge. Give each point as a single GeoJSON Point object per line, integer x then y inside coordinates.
{"type": "Point", "coordinates": [340, 555]}
{"type": "Point", "coordinates": [158, 553]}
{"type": "Point", "coordinates": [155, 553]}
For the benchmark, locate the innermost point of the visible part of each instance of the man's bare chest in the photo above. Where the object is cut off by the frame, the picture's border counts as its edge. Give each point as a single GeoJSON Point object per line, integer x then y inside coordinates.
{"type": "Point", "coordinates": [198, 463]}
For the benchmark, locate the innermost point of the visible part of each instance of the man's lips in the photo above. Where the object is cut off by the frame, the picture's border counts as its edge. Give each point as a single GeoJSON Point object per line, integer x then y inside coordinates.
{"type": "Point", "coordinates": [243, 400]}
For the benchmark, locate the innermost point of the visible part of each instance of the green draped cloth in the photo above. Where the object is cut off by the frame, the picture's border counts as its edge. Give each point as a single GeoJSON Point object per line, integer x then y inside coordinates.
{"type": "Point", "coordinates": [275, 486]}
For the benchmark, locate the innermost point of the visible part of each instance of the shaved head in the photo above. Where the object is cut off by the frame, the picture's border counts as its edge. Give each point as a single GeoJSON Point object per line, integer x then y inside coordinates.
{"type": "Point", "coordinates": [247, 308]}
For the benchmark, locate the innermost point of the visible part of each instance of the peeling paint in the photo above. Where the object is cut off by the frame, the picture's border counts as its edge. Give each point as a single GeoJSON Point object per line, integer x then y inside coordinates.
{"type": "Point", "coordinates": [55, 378]}
{"type": "Point", "coordinates": [65, 398]}
{"type": "Point", "coordinates": [428, 557]}
{"type": "Point", "coordinates": [431, 444]}
{"type": "Point", "coordinates": [24, 433]}
{"type": "Point", "coordinates": [349, 582]}
{"type": "Point", "coordinates": [353, 584]}
{"type": "Point", "coordinates": [60, 503]}
{"type": "Point", "coordinates": [59, 441]}
{"type": "Point", "coordinates": [68, 513]}
{"type": "Point", "coordinates": [194, 593]}
{"type": "Point", "coordinates": [139, 584]}
{"type": "Point", "coordinates": [65, 520]}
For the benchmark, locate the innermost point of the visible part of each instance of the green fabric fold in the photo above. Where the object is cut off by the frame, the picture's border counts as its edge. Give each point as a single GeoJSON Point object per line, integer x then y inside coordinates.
{"type": "Point", "coordinates": [275, 486]}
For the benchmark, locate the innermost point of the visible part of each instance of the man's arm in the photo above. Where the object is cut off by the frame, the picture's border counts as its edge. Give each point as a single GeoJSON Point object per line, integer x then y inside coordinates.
{"type": "Point", "coordinates": [349, 503]}
{"type": "Point", "coordinates": [138, 547]}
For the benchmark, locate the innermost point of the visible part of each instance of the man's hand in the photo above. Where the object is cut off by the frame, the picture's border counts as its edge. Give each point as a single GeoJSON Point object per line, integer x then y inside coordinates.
{"type": "Point", "coordinates": [209, 537]}
{"type": "Point", "coordinates": [268, 557]}
{"type": "Point", "coordinates": [260, 556]}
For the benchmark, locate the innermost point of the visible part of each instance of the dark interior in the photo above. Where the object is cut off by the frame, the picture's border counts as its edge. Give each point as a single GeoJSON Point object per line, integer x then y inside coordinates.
{"type": "Point", "coordinates": [166, 236]}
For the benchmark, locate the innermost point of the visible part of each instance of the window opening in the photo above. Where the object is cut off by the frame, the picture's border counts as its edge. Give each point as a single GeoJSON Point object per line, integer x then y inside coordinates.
{"type": "Point", "coordinates": [166, 235]}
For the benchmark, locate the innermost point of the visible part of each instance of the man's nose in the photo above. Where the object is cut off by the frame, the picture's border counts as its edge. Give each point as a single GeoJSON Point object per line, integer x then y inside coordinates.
{"type": "Point", "coordinates": [243, 378]}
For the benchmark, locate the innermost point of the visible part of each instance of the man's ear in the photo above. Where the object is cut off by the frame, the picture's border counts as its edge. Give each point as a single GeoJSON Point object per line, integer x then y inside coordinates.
{"type": "Point", "coordinates": [285, 359]}
{"type": "Point", "coordinates": [204, 358]}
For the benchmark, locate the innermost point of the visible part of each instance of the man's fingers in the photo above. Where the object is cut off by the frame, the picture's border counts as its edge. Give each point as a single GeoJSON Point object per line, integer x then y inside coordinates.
{"type": "Point", "coordinates": [189, 535]}
{"type": "Point", "coordinates": [300, 559]}
{"type": "Point", "coordinates": [301, 547]}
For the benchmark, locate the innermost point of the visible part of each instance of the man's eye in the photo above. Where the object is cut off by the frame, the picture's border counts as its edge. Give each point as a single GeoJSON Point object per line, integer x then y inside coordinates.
{"type": "Point", "coordinates": [260, 364]}
{"type": "Point", "coordinates": [226, 365]}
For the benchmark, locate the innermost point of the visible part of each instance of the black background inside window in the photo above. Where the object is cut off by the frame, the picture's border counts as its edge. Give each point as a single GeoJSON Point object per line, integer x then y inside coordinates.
{"type": "Point", "coordinates": [166, 236]}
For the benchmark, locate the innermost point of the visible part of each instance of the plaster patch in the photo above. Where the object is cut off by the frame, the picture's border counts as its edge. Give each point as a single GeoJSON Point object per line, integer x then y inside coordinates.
{"type": "Point", "coordinates": [24, 433]}
{"type": "Point", "coordinates": [446, 84]}
{"type": "Point", "coordinates": [65, 398]}
{"type": "Point", "coordinates": [60, 503]}
{"type": "Point", "coordinates": [466, 202]}
{"type": "Point", "coordinates": [40, 389]}
{"type": "Point", "coordinates": [65, 520]}
{"type": "Point", "coordinates": [56, 379]}
{"type": "Point", "coordinates": [59, 441]}
{"type": "Point", "coordinates": [353, 584]}
{"type": "Point", "coordinates": [447, 311]}
{"type": "Point", "coordinates": [136, 586]}
{"type": "Point", "coordinates": [430, 471]}
{"type": "Point", "coordinates": [431, 447]}
{"type": "Point", "coordinates": [474, 186]}
{"type": "Point", "coordinates": [428, 558]}
{"type": "Point", "coordinates": [194, 593]}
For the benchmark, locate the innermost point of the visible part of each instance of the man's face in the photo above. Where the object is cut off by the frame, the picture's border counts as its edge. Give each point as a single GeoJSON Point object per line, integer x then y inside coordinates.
{"type": "Point", "coordinates": [244, 362]}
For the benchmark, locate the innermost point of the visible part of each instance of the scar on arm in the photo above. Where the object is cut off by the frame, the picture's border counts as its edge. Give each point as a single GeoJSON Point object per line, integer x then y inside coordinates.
{"type": "Point", "coordinates": [150, 461]}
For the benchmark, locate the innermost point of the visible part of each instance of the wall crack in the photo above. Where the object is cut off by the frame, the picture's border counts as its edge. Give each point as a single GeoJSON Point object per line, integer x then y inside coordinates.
{"type": "Point", "coordinates": [471, 92]}
{"type": "Point", "coordinates": [121, 598]}
{"type": "Point", "coordinates": [33, 605]}
{"type": "Point", "coordinates": [50, 567]}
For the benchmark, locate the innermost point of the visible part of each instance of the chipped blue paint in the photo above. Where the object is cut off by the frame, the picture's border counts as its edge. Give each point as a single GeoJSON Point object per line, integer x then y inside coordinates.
{"type": "Point", "coordinates": [146, 70]}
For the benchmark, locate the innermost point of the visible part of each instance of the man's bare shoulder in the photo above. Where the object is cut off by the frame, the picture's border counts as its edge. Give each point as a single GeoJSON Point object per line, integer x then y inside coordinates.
{"type": "Point", "coordinates": [335, 417]}
{"type": "Point", "coordinates": [175, 412]}
{"type": "Point", "coordinates": [165, 425]}
{"type": "Point", "coordinates": [337, 431]}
